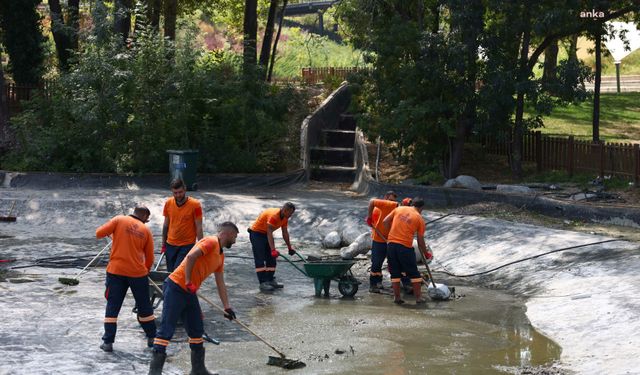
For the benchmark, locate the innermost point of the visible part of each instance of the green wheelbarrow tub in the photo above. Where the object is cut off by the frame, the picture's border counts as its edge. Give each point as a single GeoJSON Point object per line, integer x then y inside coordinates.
{"type": "Point", "coordinates": [324, 271]}
{"type": "Point", "coordinates": [156, 277]}
{"type": "Point", "coordinates": [328, 269]}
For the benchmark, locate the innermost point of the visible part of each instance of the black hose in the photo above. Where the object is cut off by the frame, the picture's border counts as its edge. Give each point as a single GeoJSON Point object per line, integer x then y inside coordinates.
{"type": "Point", "coordinates": [524, 259]}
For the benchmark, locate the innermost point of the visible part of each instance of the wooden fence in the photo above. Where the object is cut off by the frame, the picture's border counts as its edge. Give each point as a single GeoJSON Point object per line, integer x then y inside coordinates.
{"type": "Point", "coordinates": [17, 93]}
{"type": "Point", "coordinates": [316, 75]}
{"type": "Point", "coordinates": [571, 155]}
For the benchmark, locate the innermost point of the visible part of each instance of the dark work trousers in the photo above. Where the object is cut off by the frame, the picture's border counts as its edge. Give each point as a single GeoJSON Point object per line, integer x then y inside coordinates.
{"type": "Point", "coordinates": [175, 255]}
{"type": "Point", "coordinates": [178, 302]}
{"type": "Point", "coordinates": [116, 290]}
{"type": "Point", "coordinates": [402, 259]}
{"type": "Point", "coordinates": [378, 255]}
{"type": "Point", "coordinates": [265, 263]}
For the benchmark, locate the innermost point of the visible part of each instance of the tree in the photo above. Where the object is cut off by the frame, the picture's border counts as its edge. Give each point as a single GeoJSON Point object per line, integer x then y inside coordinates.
{"type": "Point", "coordinates": [265, 52]}
{"type": "Point", "coordinates": [122, 17]}
{"type": "Point", "coordinates": [250, 32]}
{"type": "Point", "coordinates": [170, 17]}
{"type": "Point", "coordinates": [65, 34]}
{"type": "Point", "coordinates": [4, 109]}
{"type": "Point", "coordinates": [23, 40]}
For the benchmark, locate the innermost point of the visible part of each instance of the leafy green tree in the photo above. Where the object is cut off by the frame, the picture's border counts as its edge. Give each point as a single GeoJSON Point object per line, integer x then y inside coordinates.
{"type": "Point", "coordinates": [23, 39]}
{"type": "Point", "coordinates": [65, 33]}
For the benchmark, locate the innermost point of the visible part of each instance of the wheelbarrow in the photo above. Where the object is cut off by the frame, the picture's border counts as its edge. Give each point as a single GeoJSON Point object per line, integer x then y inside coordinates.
{"type": "Point", "coordinates": [323, 271]}
{"type": "Point", "coordinates": [156, 277]}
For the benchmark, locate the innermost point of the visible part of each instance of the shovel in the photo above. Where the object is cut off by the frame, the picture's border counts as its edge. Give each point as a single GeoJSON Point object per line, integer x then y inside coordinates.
{"type": "Point", "coordinates": [74, 280]}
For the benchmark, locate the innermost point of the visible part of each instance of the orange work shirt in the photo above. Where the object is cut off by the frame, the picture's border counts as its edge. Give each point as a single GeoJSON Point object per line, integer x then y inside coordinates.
{"type": "Point", "coordinates": [406, 223]}
{"type": "Point", "coordinates": [182, 221]}
{"type": "Point", "coordinates": [132, 247]}
{"type": "Point", "coordinates": [211, 261]}
{"type": "Point", "coordinates": [269, 216]}
{"type": "Point", "coordinates": [381, 208]}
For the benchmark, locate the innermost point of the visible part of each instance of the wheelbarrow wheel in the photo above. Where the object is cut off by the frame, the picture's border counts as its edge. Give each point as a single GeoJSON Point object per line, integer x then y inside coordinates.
{"type": "Point", "coordinates": [348, 286]}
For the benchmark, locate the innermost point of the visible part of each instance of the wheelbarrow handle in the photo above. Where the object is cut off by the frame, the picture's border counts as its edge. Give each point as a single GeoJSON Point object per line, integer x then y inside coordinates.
{"type": "Point", "coordinates": [301, 257]}
{"type": "Point", "coordinates": [293, 264]}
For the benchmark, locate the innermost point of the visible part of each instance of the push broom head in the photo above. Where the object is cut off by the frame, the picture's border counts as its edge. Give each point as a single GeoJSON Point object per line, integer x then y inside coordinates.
{"type": "Point", "coordinates": [289, 364]}
{"type": "Point", "coordinates": [68, 281]}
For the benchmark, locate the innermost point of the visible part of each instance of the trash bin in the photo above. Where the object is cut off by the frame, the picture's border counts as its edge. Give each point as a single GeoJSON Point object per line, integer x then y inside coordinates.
{"type": "Point", "coordinates": [183, 164]}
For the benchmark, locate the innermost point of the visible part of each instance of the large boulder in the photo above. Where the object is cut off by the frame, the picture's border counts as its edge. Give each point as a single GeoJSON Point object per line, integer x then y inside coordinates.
{"type": "Point", "coordinates": [361, 245]}
{"type": "Point", "coordinates": [464, 182]}
{"type": "Point", "coordinates": [332, 240]}
{"type": "Point", "coordinates": [350, 234]}
{"type": "Point", "coordinates": [513, 189]}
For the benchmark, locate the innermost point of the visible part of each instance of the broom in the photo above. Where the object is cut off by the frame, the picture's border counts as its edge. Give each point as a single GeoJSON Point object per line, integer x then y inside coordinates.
{"type": "Point", "coordinates": [74, 280]}
{"type": "Point", "coordinates": [281, 361]}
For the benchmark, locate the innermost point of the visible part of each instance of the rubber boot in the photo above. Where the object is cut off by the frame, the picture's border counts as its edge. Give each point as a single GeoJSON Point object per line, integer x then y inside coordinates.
{"type": "Point", "coordinates": [157, 363]}
{"type": "Point", "coordinates": [197, 362]}
{"type": "Point", "coordinates": [417, 292]}
{"type": "Point", "coordinates": [396, 294]}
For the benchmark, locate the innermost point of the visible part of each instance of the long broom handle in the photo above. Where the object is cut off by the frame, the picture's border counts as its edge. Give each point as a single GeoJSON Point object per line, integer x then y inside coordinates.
{"type": "Point", "coordinates": [92, 260]}
{"type": "Point", "coordinates": [207, 300]}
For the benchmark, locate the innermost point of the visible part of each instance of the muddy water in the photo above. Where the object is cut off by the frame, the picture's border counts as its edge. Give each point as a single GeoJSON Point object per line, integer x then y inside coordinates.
{"type": "Point", "coordinates": [370, 335]}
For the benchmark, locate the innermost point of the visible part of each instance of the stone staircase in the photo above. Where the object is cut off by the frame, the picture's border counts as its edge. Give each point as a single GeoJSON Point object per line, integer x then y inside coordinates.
{"type": "Point", "coordinates": [333, 159]}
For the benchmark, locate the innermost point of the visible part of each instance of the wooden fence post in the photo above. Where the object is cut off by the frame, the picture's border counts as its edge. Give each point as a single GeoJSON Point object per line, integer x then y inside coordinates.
{"type": "Point", "coordinates": [602, 151]}
{"type": "Point", "coordinates": [570, 156]}
{"type": "Point", "coordinates": [636, 164]}
{"type": "Point", "coordinates": [538, 151]}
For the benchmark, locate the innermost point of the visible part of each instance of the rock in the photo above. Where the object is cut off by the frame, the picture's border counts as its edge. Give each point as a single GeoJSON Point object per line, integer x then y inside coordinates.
{"type": "Point", "coordinates": [465, 182]}
{"type": "Point", "coordinates": [349, 235]}
{"type": "Point", "coordinates": [582, 196]}
{"type": "Point", "coordinates": [361, 245]}
{"type": "Point", "coordinates": [514, 189]}
{"type": "Point", "coordinates": [332, 240]}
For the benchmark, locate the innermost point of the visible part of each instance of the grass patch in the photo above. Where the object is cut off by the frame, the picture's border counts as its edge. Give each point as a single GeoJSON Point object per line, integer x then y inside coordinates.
{"type": "Point", "coordinates": [619, 119]}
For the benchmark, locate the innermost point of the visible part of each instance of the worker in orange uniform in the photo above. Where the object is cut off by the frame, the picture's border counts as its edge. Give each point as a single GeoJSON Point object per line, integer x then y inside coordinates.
{"type": "Point", "coordinates": [180, 298]}
{"type": "Point", "coordinates": [129, 264]}
{"type": "Point", "coordinates": [263, 246]}
{"type": "Point", "coordinates": [403, 224]}
{"type": "Point", "coordinates": [377, 211]}
{"type": "Point", "coordinates": [182, 224]}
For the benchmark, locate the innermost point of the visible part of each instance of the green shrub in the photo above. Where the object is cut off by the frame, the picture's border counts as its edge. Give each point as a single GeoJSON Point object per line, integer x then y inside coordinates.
{"type": "Point", "coordinates": [121, 107]}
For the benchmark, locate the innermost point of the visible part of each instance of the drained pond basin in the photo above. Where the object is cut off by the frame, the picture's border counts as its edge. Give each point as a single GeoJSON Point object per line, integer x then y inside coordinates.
{"type": "Point", "coordinates": [50, 328]}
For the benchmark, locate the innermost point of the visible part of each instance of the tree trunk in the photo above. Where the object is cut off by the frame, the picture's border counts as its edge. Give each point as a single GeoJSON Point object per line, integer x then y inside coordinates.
{"type": "Point", "coordinates": [4, 111]}
{"type": "Point", "coordinates": [250, 32]}
{"type": "Point", "coordinates": [122, 18]}
{"type": "Point", "coordinates": [435, 10]}
{"type": "Point", "coordinates": [550, 62]}
{"type": "Point", "coordinates": [523, 74]}
{"type": "Point", "coordinates": [74, 23]}
{"type": "Point", "coordinates": [265, 52]}
{"type": "Point", "coordinates": [466, 17]}
{"type": "Point", "coordinates": [153, 13]}
{"type": "Point", "coordinates": [170, 16]}
{"type": "Point", "coordinates": [596, 87]}
{"type": "Point", "coordinates": [60, 37]}
{"type": "Point", "coordinates": [275, 43]}
{"type": "Point", "coordinates": [573, 48]}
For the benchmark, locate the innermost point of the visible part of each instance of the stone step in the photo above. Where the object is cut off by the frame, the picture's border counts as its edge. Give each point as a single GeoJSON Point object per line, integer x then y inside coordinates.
{"type": "Point", "coordinates": [333, 173]}
{"type": "Point", "coordinates": [347, 122]}
{"type": "Point", "coordinates": [335, 156]}
{"type": "Point", "coordinates": [338, 138]}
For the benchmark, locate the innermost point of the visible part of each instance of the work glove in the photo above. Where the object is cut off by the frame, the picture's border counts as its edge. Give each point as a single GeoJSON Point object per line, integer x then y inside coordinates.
{"type": "Point", "coordinates": [229, 314]}
{"type": "Point", "coordinates": [163, 249]}
{"type": "Point", "coordinates": [369, 221]}
{"type": "Point", "coordinates": [292, 252]}
{"type": "Point", "coordinates": [191, 288]}
{"type": "Point", "coordinates": [275, 253]}
{"type": "Point", "coordinates": [428, 256]}
{"type": "Point", "coordinates": [407, 202]}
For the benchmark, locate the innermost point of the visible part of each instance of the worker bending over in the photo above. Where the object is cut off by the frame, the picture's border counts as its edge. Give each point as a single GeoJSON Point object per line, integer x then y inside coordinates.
{"type": "Point", "coordinates": [206, 257]}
